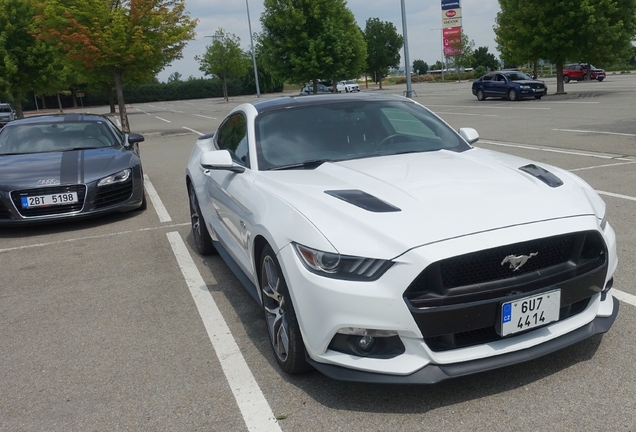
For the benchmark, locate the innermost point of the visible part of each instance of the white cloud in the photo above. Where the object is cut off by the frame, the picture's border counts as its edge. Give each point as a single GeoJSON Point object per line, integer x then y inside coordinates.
{"type": "Point", "coordinates": [478, 19]}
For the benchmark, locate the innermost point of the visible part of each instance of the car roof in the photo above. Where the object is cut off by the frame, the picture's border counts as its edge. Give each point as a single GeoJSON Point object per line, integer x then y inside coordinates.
{"type": "Point", "coordinates": [59, 118]}
{"type": "Point", "coordinates": [307, 100]}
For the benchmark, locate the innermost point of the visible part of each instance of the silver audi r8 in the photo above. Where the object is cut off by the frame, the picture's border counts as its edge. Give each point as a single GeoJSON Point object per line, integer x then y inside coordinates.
{"type": "Point", "coordinates": [63, 167]}
{"type": "Point", "coordinates": [383, 246]}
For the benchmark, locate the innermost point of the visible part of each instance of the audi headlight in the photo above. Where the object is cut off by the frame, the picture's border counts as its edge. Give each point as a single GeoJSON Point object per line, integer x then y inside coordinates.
{"type": "Point", "coordinates": [338, 266]}
{"type": "Point", "coordinates": [524, 87]}
{"type": "Point", "coordinates": [119, 177]}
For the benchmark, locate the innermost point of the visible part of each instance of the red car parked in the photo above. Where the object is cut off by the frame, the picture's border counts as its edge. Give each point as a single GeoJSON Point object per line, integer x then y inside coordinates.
{"type": "Point", "coordinates": [578, 71]}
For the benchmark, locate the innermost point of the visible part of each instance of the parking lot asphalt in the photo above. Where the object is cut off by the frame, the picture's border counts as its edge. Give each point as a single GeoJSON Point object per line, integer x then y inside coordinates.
{"type": "Point", "coordinates": [105, 324]}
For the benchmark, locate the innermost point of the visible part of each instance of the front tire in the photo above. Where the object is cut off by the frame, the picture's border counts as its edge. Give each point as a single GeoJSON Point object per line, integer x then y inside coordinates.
{"type": "Point", "coordinates": [538, 97]}
{"type": "Point", "coordinates": [200, 232]}
{"type": "Point", "coordinates": [280, 316]}
{"type": "Point", "coordinates": [512, 94]}
{"type": "Point", "coordinates": [480, 95]}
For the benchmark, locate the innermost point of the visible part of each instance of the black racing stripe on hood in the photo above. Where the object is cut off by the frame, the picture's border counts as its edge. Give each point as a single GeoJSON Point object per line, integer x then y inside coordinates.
{"type": "Point", "coordinates": [363, 200]}
{"type": "Point", "coordinates": [72, 167]}
{"type": "Point", "coordinates": [542, 174]}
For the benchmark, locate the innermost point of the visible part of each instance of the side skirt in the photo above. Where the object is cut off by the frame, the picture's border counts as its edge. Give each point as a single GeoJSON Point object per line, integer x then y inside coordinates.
{"type": "Point", "coordinates": [238, 272]}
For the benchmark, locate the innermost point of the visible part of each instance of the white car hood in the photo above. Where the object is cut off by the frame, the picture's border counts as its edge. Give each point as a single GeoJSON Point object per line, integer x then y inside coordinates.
{"type": "Point", "coordinates": [440, 195]}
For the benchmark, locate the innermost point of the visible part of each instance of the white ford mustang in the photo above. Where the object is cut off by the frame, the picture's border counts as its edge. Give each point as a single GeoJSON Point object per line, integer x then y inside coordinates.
{"type": "Point", "coordinates": [383, 247]}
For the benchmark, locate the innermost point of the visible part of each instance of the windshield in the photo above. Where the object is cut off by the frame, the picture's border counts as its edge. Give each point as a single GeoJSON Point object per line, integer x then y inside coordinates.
{"type": "Point", "coordinates": [5, 109]}
{"type": "Point", "coordinates": [47, 137]}
{"type": "Point", "coordinates": [302, 137]}
{"type": "Point", "coordinates": [517, 76]}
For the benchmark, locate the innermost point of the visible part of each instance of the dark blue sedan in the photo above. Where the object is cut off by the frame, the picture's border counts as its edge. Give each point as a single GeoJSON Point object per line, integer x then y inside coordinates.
{"type": "Point", "coordinates": [512, 85]}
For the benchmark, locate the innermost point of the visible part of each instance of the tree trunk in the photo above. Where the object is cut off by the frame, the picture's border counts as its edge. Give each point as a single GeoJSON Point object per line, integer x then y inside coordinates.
{"type": "Point", "coordinates": [17, 98]}
{"type": "Point", "coordinates": [334, 84]}
{"type": "Point", "coordinates": [59, 102]}
{"type": "Point", "coordinates": [73, 92]}
{"type": "Point", "coordinates": [366, 81]}
{"type": "Point", "coordinates": [111, 100]}
{"type": "Point", "coordinates": [559, 67]}
{"type": "Point", "coordinates": [380, 80]}
{"type": "Point", "coordinates": [43, 102]}
{"type": "Point", "coordinates": [227, 99]}
{"type": "Point", "coordinates": [123, 115]}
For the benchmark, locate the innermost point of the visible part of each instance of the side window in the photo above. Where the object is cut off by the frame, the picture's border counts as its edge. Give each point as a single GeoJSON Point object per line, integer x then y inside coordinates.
{"type": "Point", "coordinates": [232, 136]}
{"type": "Point", "coordinates": [487, 78]}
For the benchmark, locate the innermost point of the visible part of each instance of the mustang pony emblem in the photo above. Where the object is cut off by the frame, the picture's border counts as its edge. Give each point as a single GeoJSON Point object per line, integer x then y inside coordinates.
{"type": "Point", "coordinates": [517, 261]}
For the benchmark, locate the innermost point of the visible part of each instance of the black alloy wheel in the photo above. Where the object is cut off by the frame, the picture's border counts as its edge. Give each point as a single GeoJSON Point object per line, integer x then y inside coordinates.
{"type": "Point", "coordinates": [202, 238]}
{"type": "Point", "coordinates": [280, 316]}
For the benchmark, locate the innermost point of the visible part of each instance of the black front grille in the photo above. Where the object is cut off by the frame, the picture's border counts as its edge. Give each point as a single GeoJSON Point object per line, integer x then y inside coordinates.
{"type": "Point", "coordinates": [113, 194]}
{"type": "Point", "coordinates": [457, 301]}
{"type": "Point", "coordinates": [486, 265]}
{"type": "Point", "coordinates": [489, 334]}
{"type": "Point", "coordinates": [16, 197]}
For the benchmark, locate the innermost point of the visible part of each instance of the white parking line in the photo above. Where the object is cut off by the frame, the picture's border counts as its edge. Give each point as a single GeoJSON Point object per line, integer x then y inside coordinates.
{"type": "Point", "coordinates": [36, 245]}
{"type": "Point", "coordinates": [624, 297]}
{"type": "Point", "coordinates": [147, 113]}
{"type": "Point", "coordinates": [156, 201]}
{"type": "Point", "coordinates": [595, 132]}
{"type": "Point", "coordinates": [616, 195]}
{"type": "Point", "coordinates": [167, 121]}
{"type": "Point", "coordinates": [488, 107]}
{"type": "Point", "coordinates": [256, 412]}
{"type": "Point", "coordinates": [199, 115]}
{"type": "Point", "coordinates": [468, 114]}
{"type": "Point", "coordinates": [554, 150]}
{"type": "Point", "coordinates": [192, 130]}
{"type": "Point", "coordinates": [602, 166]}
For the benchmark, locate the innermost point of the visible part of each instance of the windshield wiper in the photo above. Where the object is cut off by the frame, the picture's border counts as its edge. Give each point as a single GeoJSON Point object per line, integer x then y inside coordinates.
{"type": "Point", "coordinates": [310, 164]}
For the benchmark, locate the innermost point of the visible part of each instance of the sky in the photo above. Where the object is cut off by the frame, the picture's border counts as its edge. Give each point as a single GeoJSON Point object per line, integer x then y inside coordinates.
{"type": "Point", "coordinates": [423, 23]}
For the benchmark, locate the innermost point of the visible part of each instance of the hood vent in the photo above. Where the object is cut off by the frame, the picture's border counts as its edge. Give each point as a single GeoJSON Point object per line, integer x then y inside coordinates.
{"type": "Point", "coordinates": [363, 200]}
{"type": "Point", "coordinates": [545, 176]}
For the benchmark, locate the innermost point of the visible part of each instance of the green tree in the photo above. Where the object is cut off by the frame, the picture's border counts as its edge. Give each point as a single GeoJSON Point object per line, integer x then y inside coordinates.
{"type": "Point", "coordinates": [131, 39]}
{"type": "Point", "coordinates": [481, 57]}
{"type": "Point", "coordinates": [591, 31]}
{"type": "Point", "coordinates": [175, 77]}
{"type": "Point", "coordinates": [27, 64]}
{"type": "Point", "coordinates": [305, 40]}
{"type": "Point", "coordinates": [383, 48]}
{"type": "Point", "coordinates": [420, 65]}
{"type": "Point", "coordinates": [224, 59]}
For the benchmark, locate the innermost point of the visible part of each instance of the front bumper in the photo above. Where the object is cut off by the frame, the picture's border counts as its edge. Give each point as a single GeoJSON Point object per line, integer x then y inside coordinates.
{"type": "Point", "coordinates": [325, 305]}
{"type": "Point", "coordinates": [434, 373]}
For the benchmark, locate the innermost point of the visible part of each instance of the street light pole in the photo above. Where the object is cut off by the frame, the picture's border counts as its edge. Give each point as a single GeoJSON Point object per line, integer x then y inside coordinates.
{"type": "Point", "coordinates": [407, 68]}
{"type": "Point", "coordinates": [249, 24]}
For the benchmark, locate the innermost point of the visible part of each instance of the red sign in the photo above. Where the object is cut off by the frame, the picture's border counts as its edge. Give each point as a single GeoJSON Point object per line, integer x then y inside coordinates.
{"type": "Point", "coordinates": [452, 41]}
{"type": "Point", "coordinates": [451, 13]}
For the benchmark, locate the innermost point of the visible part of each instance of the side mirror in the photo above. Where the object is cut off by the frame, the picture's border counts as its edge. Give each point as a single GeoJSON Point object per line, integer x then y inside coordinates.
{"type": "Point", "coordinates": [220, 160]}
{"type": "Point", "coordinates": [135, 138]}
{"type": "Point", "coordinates": [469, 134]}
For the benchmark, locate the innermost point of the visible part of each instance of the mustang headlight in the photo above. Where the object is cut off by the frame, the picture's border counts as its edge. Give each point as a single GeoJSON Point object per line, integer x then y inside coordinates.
{"type": "Point", "coordinates": [341, 266]}
{"type": "Point", "coordinates": [603, 222]}
{"type": "Point", "coordinates": [119, 177]}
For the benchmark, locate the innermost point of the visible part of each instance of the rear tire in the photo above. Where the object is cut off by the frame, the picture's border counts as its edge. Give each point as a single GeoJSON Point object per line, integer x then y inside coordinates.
{"type": "Point", "coordinates": [282, 326]}
{"type": "Point", "coordinates": [566, 79]}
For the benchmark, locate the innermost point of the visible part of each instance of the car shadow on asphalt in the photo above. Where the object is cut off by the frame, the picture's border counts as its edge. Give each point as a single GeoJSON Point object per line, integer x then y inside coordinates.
{"type": "Point", "coordinates": [388, 398]}
{"type": "Point", "coordinates": [69, 225]}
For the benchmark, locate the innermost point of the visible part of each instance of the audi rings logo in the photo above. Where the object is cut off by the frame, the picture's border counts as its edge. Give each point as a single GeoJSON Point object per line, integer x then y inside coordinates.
{"type": "Point", "coordinates": [48, 181]}
{"type": "Point", "coordinates": [451, 13]}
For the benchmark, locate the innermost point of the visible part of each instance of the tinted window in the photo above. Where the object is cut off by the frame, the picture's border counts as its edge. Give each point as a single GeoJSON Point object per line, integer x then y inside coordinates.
{"type": "Point", "coordinates": [349, 130]}
{"type": "Point", "coordinates": [232, 136]}
{"type": "Point", "coordinates": [5, 108]}
{"type": "Point", "coordinates": [487, 78]}
{"type": "Point", "coordinates": [55, 136]}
